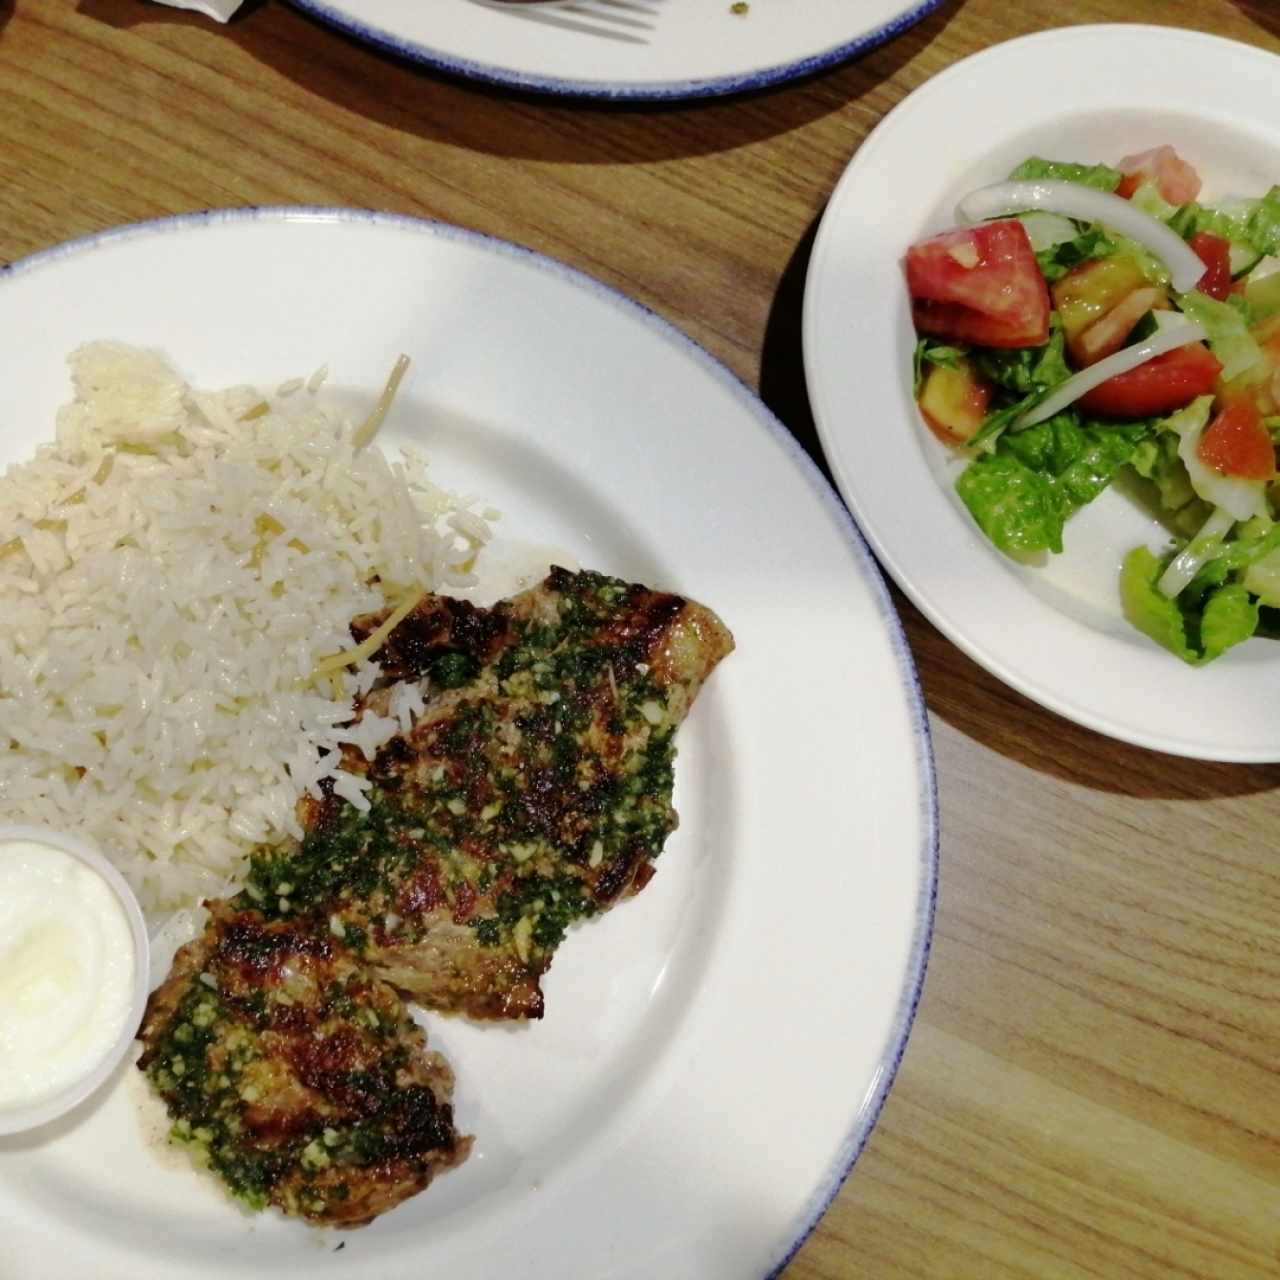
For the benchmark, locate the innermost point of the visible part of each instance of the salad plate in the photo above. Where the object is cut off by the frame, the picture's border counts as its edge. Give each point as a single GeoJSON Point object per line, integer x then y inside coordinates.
{"type": "Point", "coordinates": [632, 50]}
{"type": "Point", "coordinates": [1051, 626]}
{"type": "Point", "coordinates": [714, 1054]}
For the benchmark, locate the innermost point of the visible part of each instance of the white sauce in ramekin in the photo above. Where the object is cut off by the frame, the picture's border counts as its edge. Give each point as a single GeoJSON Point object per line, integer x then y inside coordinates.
{"type": "Point", "coordinates": [67, 971]}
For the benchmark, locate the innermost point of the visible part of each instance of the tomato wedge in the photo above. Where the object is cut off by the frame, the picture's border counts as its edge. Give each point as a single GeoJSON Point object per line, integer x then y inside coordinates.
{"type": "Point", "coordinates": [1168, 382]}
{"type": "Point", "coordinates": [980, 284]}
{"type": "Point", "coordinates": [1175, 180]}
{"type": "Point", "coordinates": [1215, 253]}
{"type": "Point", "coordinates": [1237, 444]}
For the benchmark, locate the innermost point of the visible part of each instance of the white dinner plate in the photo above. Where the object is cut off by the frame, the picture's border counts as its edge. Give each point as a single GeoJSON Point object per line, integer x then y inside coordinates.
{"type": "Point", "coordinates": [715, 1052]}
{"type": "Point", "coordinates": [1054, 631]}
{"type": "Point", "coordinates": [626, 49]}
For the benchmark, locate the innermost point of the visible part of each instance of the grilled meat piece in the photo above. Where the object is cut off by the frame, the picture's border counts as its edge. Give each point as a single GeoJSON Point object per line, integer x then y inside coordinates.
{"type": "Point", "coordinates": [534, 790]}
{"type": "Point", "coordinates": [295, 1074]}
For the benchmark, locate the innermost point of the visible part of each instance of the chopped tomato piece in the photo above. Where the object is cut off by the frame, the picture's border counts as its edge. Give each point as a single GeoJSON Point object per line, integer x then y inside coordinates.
{"type": "Point", "coordinates": [1168, 382]}
{"type": "Point", "coordinates": [1236, 443]}
{"type": "Point", "coordinates": [954, 402]}
{"type": "Point", "coordinates": [1106, 336]}
{"type": "Point", "coordinates": [1215, 253]}
{"type": "Point", "coordinates": [1087, 292]}
{"type": "Point", "coordinates": [980, 284]}
{"type": "Point", "coordinates": [1175, 180]}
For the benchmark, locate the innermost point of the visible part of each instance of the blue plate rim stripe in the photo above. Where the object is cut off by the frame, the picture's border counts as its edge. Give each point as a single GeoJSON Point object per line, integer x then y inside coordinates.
{"type": "Point", "coordinates": [656, 91]}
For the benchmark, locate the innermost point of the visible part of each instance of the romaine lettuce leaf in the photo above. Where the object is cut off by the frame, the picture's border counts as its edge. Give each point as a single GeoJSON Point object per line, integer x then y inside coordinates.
{"type": "Point", "coordinates": [999, 420]}
{"type": "Point", "coordinates": [932, 351]}
{"type": "Point", "coordinates": [1231, 222]}
{"type": "Point", "coordinates": [1029, 373]}
{"type": "Point", "coordinates": [1013, 505]}
{"type": "Point", "coordinates": [1262, 293]}
{"type": "Point", "coordinates": [1092, 242]}
{"type": "Point", "coordinates": [1255, 223]}
{"type": "Point", "coordinates": [1243, 308]}
{"type": "Point", "coordinates": [1156, 459]}
{"type": "Point", "coordinates": [1253, 557]}
{"type": "Point", "coordinates": [1262, 577]}
{"type": "Point", "coordinates": [1264, 225]}
{"type": "Point", "coordinates": [1101, 176]}
{"type": "Point", "coordinates": [1153, 268]}
{"type": "Point", "coordinates": [1230, 615]}
{"type": "Point", "coordinates": [1023, 370]}
{"type": "Point", "coordinates": [1199, 625]}
{"type": "Point", "coordinates": [1022, 494]}
{"type": "Point", "coordinates": [1229, 336]}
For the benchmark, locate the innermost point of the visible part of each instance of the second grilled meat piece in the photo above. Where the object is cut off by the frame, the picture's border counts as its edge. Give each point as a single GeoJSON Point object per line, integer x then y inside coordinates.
{"type": "Point", "coordinates": [296, 1075]}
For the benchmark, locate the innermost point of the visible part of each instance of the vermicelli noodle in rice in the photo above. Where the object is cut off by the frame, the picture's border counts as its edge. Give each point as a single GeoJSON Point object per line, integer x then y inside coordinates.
{"type": "Point", "coordinates": [173, 570]}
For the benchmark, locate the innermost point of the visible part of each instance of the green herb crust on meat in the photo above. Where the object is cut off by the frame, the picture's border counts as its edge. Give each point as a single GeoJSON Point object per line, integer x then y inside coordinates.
{"type": "Point", "coordinates": [532, 791]}
{"type": "Point", "coordinates": [295, 1074]}
{"type": "Point", "coordinates": [535, 789]}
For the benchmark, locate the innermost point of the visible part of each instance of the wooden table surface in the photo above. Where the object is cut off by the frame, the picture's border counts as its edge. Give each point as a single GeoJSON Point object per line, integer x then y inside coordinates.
{"type": "Point", "coordinates": [1090, 1088]}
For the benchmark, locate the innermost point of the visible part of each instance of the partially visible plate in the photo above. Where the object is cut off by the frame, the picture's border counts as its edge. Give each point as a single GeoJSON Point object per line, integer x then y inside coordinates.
{"type": "Point", "coordinates": [1054, 631]}
{"type": "Point", "coordinates": [626, 49]}
{"type": "Point", "coordinates": [714, 1053]}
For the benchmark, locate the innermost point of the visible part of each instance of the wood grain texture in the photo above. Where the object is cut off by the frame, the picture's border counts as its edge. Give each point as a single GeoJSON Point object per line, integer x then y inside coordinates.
{"type": "Point", "coordinates": [1091, 1088]}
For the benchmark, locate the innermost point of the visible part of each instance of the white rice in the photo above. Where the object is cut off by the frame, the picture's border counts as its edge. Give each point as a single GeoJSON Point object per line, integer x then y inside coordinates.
{"type": "Point", "coordinates": [156, 631]}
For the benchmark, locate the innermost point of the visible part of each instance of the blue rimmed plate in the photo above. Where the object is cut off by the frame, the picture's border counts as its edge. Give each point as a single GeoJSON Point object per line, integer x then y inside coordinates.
{"type": "Point", "coordinates": [626, 49]}
{"type": "Point", "coordinates": [715, 1052]}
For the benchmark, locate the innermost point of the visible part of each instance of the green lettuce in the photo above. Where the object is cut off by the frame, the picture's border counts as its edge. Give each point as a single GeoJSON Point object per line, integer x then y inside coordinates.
{"type": "Point", "coordinates": [1153, 268]}
{"type": "Point", "coordinates": [1023, 492]}
{"type": "Point", "coordinates": [1228, 330]}
{"type": "Point", "coordinates": [1250, 558]}
{"type": "Point", "coordinates": [932, 351]}
{"type": "Point", "coordinates": [1156, 459]}
{"type": "Point", "coordinates": [1029, 373]}
{"type": "Point", "coordinates": [1255, 223]}
{"type": "Point", "coordinates": [1092, 242]}
{"type": "Point", "coordinates": [1263, 297]}
{"type": "Point", "coordinates": [1230, 222]}
{"type": "Point", "coordinates": [1262, 577]}
{"type": "Point", "coordinates": [1200, 625]}
{"type": "Point", "coordinates": [1264, 226]}
{"type": "Point", "coordinates": [999, 420]}
{"type": "Point", "coordinates": [1101, 176]}
{"type": "Point", "coordinates": [1023, 370]}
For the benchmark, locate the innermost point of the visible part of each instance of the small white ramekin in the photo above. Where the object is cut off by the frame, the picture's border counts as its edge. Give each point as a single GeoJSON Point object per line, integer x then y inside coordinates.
{"type": "Point", "coordinates": [20, 1119]}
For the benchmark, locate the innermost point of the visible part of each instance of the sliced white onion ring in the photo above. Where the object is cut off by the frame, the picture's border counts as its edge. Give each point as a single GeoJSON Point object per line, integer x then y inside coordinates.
{"type": "Point", "coordinates": [1186, 564]}
{"type": "Point", "coordinates": [1076, 201]}
{"type": "Point", "coordinates": [1079, 384]}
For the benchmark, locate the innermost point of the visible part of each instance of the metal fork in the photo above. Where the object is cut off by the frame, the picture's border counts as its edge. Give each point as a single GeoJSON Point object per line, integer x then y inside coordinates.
{"type": "Point", "coordinates": [627, 21]}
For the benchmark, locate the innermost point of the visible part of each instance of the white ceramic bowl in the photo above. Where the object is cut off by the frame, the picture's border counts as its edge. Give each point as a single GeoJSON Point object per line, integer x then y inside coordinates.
{"type": "Point", "coordinates": [1054, 631]}
{"type": "Point", "coordinates": [20, 1119]}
